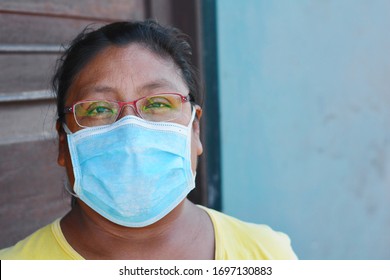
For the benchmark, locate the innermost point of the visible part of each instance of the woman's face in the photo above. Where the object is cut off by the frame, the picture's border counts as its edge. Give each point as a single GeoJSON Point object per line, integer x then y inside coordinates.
{"type": "Point", "coordinates": [126, 74]}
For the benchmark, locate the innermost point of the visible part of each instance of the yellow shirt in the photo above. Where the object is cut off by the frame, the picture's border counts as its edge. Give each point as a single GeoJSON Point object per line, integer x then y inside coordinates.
{"type": "Point", "coordinates": [238, 240]}
{"type": "Point", "coordinates": [234, 239]}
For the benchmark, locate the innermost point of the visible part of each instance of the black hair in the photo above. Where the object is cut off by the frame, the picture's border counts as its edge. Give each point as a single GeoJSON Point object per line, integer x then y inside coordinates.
{"type": "Point", "coordinates": [162, 40]}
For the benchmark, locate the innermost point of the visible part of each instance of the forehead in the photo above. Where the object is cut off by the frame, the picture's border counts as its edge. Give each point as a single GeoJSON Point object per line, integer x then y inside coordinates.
{"type": "Point", "coordinates": [126, 73]}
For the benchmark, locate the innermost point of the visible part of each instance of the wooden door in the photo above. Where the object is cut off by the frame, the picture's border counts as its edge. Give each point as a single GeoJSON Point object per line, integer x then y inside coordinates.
{"type": "Point", "coordinates": [31, 35]}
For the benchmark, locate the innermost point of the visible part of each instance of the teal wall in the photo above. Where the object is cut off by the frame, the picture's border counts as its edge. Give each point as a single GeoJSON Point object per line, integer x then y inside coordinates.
{"type": "Point", "coordinates": [305, 121]}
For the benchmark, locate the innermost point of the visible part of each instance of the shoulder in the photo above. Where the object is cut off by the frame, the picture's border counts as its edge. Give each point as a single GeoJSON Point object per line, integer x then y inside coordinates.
{"type": "Point", "coordinates": [236, 239]}
{"type": "Point", "coordinates": [43, 244]}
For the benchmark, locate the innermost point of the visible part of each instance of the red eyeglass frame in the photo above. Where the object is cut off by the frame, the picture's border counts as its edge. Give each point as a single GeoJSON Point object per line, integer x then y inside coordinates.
{"type": "Point", "coordinates": [70, 109]}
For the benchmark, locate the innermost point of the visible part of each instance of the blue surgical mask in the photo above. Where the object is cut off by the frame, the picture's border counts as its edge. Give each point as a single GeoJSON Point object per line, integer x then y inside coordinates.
{"type": "Point", "coordinates": [132, 172]}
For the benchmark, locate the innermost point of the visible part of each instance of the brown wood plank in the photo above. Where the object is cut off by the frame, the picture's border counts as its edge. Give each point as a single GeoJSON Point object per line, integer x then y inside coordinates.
{"type": "Point", "coordinates": [32, 193]}
{"type": "Point", "coordinates": [24, 29]}
{"type": "Point", "coordinates": [88, 9]}
{"type": "Point", "coordinates": [161, 10]}
{"type": "Point", "coordinates": [26, 72]}
{"type": "Point", "coordinates": [26, 96]}
{"type": "Point", "coordinates": [23, 121]}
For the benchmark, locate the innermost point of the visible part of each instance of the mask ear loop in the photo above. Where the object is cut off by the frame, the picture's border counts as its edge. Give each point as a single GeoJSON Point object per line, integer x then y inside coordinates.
{"type": "Point", "coordinates": [193, 113]}
{"type": "Point", "coordinates": [189, 127]}
{"type": "Point", "coordinates": [68, 188]}
{"type": "Point", "coordinates": [66, 183]}
{"type": "Point", "coordinates": [66, 128]}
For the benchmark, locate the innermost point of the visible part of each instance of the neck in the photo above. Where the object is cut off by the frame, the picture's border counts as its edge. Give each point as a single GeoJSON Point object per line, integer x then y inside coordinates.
{"type": "Point", "coordinates": [94, 237]}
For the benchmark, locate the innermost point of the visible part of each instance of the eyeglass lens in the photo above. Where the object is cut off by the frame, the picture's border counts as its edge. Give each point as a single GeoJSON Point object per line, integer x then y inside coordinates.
{"type": "Point", "coordinates": [158, 108]}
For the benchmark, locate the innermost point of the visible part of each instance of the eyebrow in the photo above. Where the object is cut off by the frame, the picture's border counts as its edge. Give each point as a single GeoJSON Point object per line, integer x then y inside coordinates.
{"type": "Point", "coordinates": [159, 83]}
{"type": "Point", "coordinates": [140, 90]}
{"type": "Point", "coordinates": [98, 89]}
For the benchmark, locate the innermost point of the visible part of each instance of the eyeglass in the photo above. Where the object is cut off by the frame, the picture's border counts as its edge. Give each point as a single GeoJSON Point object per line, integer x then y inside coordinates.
{"type": "Point", "coordinates": [158, 107]}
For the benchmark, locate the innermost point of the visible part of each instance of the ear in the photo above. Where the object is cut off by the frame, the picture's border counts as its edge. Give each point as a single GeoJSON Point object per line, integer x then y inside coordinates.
{"type": "Point", "coordinates": [62, 143]}
{"type": "Point", "coordinates": [196, 130]}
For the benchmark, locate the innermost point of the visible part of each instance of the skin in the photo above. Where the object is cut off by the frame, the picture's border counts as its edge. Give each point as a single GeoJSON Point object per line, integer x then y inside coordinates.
{"type": "Point", "coordinates": [125, 74]}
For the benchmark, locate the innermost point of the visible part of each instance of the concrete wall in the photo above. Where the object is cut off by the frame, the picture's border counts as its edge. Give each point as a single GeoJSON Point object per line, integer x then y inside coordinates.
{"type": "Point", "coordinates": [305, 118]}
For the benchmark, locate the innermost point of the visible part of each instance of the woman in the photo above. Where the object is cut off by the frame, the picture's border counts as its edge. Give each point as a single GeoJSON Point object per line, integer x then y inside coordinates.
{"type": "Point", "coordinates": [128, 127]}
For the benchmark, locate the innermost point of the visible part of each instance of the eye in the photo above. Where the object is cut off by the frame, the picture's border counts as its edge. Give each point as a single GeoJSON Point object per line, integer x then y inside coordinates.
{"type": "Point", "coordinates": [99, 110]}
{"type": "Point", "coordinates": [159, 108]}
{"type": "Point", "coordinates": [96, 109]}
{"type": "Point", "coordinates": [156, 103]}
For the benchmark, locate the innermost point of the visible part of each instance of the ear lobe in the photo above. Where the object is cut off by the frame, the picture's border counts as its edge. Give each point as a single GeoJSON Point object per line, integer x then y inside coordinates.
{"type": "Point", "coordinates": [196, 123]}
{"type": "Point", "coordinates": [196, 130]}
{"type": "Point", "coordinates": [199, 112]}
{"type": "Point", "coordinates": [61, 144]}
